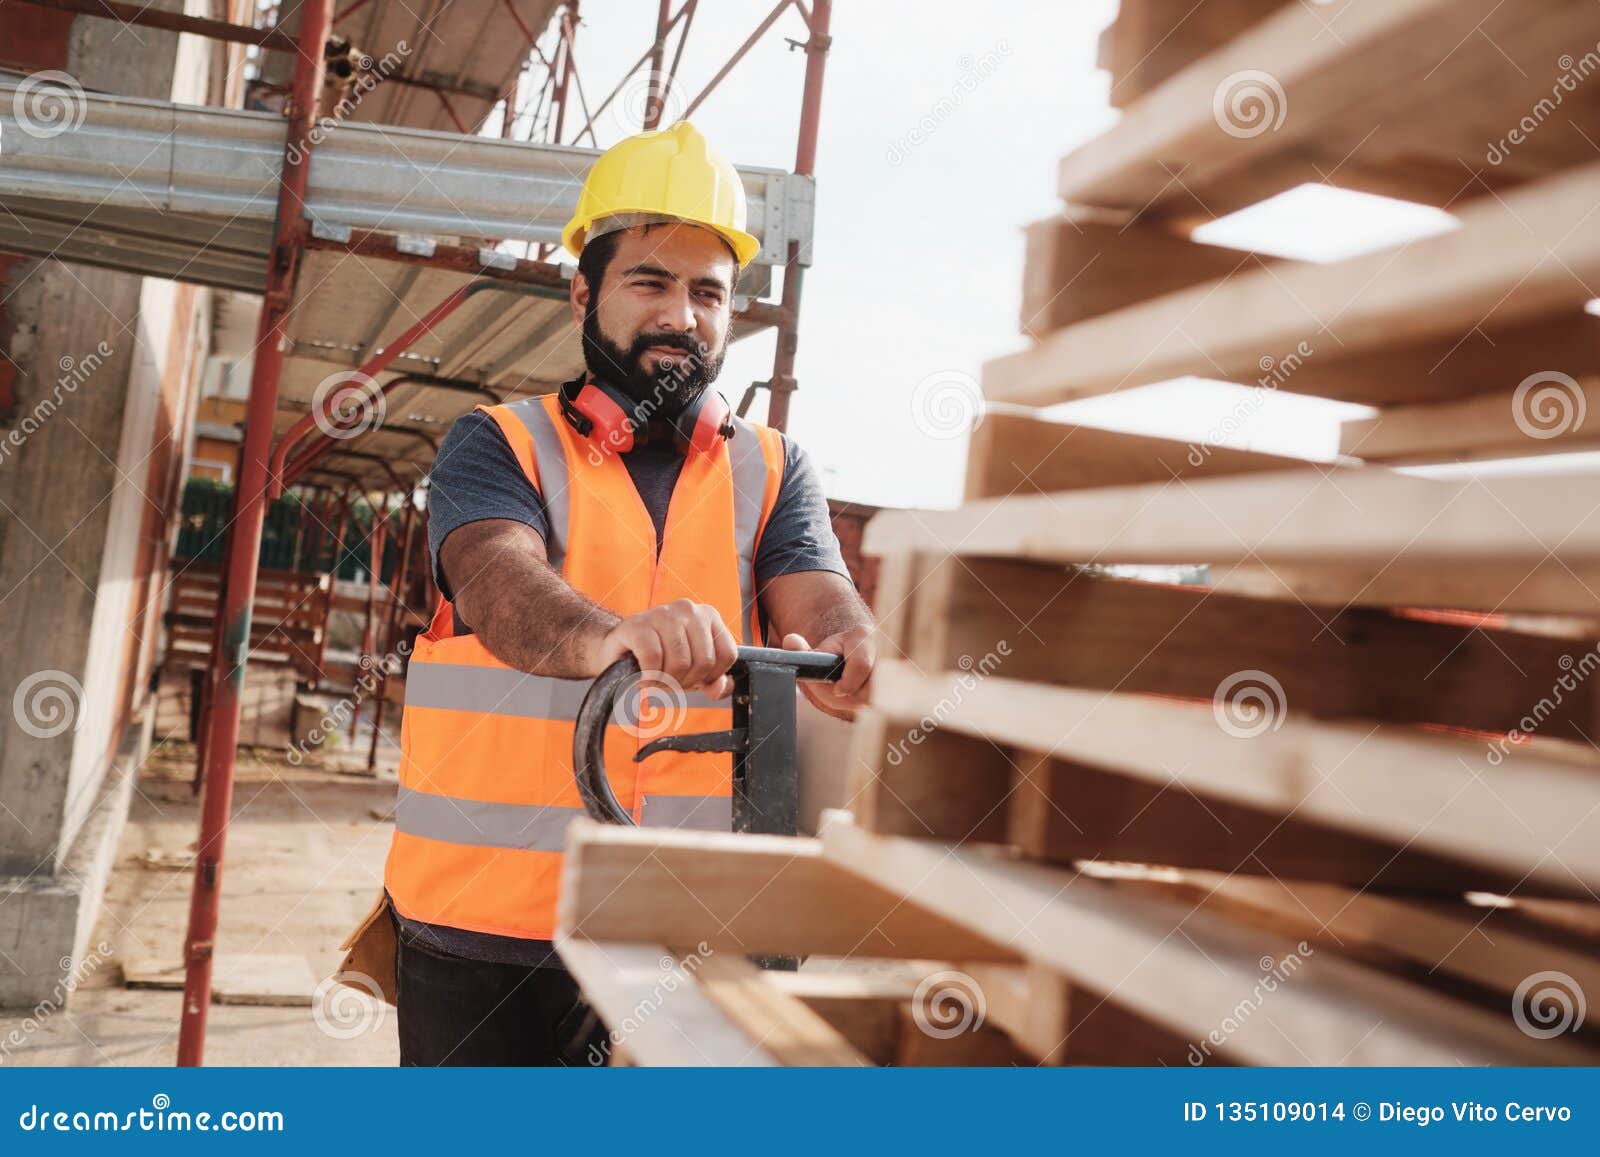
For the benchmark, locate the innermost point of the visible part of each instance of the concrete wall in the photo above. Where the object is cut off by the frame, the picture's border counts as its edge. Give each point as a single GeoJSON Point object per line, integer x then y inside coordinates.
{"type": "Point", "coordinates": [101, 415]}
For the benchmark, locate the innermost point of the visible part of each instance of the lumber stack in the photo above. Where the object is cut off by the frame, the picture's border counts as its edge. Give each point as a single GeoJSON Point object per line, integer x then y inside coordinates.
{"type": "Point", "coordinates": [1341, 803]}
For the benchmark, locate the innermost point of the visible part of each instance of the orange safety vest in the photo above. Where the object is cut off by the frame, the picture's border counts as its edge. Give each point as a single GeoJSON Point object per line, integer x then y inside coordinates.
{"type": "Point", "coordinates": [486, 773]}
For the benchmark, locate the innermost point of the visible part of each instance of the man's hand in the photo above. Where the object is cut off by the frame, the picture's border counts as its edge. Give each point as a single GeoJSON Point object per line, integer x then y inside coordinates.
{"type": "Point", "coordinates": [683, 641]}
{"type": "Point", "coordinates": [860, 652]}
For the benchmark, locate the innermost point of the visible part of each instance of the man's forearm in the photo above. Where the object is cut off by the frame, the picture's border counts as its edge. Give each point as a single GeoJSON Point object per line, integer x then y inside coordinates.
{"type": "Point", "coordinates": [540, 624]}
{"type": "Point", "coordinates": [829, 617]}
{"type": "Point", "coordinates": [526, 614]}
{"type": "Point", "coordinates": [816, 604]}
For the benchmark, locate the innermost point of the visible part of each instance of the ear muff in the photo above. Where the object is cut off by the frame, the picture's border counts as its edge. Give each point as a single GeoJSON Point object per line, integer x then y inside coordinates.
{"type": "Point", "coordinates": [595, 413]}
{"type": "Point", "coordinates": [598, 413]}
{"type": "Point", "coordinates": [707, 422]}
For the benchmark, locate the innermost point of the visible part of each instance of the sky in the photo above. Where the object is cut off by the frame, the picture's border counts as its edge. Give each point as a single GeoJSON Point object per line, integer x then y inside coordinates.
{"type": "Point", "coordinates": [918, 254]}
{"type": "Point", "coordinates": [942, 124]}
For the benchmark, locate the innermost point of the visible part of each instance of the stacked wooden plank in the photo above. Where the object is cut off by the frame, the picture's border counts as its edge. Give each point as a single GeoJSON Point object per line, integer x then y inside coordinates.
{"type": "Point", "coordinates": [1340, 804]}
{"type": "Point", "coordinates": [287, 624]}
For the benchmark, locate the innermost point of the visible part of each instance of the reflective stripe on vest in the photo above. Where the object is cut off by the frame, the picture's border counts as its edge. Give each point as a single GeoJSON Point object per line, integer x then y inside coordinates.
{"type": "Point", "coordinates": [505, 691]}
{"type": "Point", "coordinates": [553, 474]}
{"type": "Point", "coordinates": [539, 828]}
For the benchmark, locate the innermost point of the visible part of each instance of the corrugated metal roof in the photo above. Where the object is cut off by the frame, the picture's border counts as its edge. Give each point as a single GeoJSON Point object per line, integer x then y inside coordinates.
{"type": "Point", "coordinates": [474, 46]}
{"type": "Point", "coordinates": [179, 191]}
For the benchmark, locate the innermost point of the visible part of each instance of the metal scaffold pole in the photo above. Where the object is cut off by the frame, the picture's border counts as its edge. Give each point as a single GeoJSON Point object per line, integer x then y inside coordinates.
{"type": "Point", "coordinates": [245, 541]}
{"type": "Point", "coordinates": [783, 383]}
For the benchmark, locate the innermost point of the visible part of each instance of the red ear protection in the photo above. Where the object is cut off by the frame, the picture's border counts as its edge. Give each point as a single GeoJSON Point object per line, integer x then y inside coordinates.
{"type": "Point", "coordinates": [597, 413]}
{"type": "Point", "coordinates": [707, 422]}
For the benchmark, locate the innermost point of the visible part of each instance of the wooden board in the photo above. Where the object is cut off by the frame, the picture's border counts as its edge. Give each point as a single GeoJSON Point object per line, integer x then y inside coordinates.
{"type": "Point", "coordinates": [1551, 415]}
{"type": "Point", "coordinates": [1022, 454]}
{"type": "Point", "coordinates": [654, 1010]}
{"type": "Point", "coordinates": [280, 979]}
{"type": "Point", "coordinates": [1051, 624]}
{"type": "Point", "coordinates": [779, 1021]}
{"type": "Point", "coordinates": [1191, 971]}
{"type": "Point", "coordinates": [1532, 254]}
{"type": "Point", "coordinates": [963, 789]}
{"type": "Point", "coordinates": [1489, 358]}
{"type": "Point", "coordinates": [876, 1011]}
{"type": "Point", "coordinates": [862, 1006]}
{"type": "Point", "coordinates": [1456, 941]}
{"type": "Point", "coordinates": [744, 893]}
{"type": "Point", "coordinates": [1553, 587]}
{"type": "Point", "coordinates": [1538, 799]}
{"type": "Point", "coordinates": [1150, 40]}
{"type": "Point", "coordinates": [1086, 263]}
{"type": "Point", "coordinates": [1066, 812]}
{"type": "Point", "coordinates": [1406, 97]}
{"type": "Point", "coordinates": [1343, 518]}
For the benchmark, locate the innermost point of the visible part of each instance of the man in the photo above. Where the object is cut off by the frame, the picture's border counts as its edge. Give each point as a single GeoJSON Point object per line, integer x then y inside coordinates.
{"type": "Point", "coordinates": [630, 513]}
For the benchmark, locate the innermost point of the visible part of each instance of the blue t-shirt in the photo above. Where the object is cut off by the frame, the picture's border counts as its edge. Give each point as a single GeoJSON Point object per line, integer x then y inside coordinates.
{"type": "Point", "coordinates": [476, 476]}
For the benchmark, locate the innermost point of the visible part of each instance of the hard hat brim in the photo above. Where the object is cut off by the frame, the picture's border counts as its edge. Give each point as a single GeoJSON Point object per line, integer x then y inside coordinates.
{"type": "Point", "coordinates": [745, 245]}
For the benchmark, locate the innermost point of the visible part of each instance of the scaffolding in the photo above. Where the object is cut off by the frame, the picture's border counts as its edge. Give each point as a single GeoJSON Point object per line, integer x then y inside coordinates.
{"type": "Point", "coordinates": [316, 212]}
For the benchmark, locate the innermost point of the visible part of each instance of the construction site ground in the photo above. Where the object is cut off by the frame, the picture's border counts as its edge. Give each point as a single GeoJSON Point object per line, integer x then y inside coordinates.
{"type": "Point", "coordinates": [305, 852]}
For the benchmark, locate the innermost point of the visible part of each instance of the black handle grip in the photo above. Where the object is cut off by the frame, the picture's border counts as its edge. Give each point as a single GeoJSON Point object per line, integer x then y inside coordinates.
{"type": "Point", "coordinates": [589, 736]}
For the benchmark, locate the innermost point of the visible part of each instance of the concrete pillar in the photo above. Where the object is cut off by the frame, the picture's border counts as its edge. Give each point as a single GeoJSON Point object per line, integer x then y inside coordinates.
{"type": "Point", "coordinates": [102, 402]}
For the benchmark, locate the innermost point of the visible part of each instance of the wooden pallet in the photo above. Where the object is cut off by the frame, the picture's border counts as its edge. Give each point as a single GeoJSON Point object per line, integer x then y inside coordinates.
{"type": "Point", "coordinates": [1338, 805]}
{"type": "Point", "coordinates": [929, 953]}
{"type": "Point", "coordinates": [1402, 98]}
{"type": "Point", "coordinates": [288, 619]}
{"type": "Point", "coordinates": [656, 926]}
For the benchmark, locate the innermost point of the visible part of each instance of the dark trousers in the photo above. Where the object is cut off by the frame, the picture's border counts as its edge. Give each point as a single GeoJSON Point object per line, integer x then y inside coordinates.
{"type": "Point", "coordinates": [454, 1011]}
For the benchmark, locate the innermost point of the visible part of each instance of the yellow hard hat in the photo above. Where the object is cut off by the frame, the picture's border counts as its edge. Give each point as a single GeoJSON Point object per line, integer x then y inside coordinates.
{"type": "Point", "coordinates": [670, 173]}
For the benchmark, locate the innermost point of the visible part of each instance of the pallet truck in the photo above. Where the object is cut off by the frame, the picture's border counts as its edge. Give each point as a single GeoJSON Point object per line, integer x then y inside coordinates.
{"type": "Point", "coordinates": [766, 782]}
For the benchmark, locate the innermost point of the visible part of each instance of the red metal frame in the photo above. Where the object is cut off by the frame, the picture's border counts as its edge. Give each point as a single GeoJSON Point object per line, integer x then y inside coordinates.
{"type": "Point", "coordinates": [151, 17]}
{"type": "Point", "coordinates": [265, 469]}
{"type": "Point", "coordinates": [387, 641]}
{"type": "Point", "coordinates": [245, 546]}
{"type": "Point", "coordinates": [805, 161]}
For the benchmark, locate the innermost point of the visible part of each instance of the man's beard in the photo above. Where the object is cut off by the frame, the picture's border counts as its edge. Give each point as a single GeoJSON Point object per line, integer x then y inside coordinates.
{"type": "Point", "coordinates": [663, 392]}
